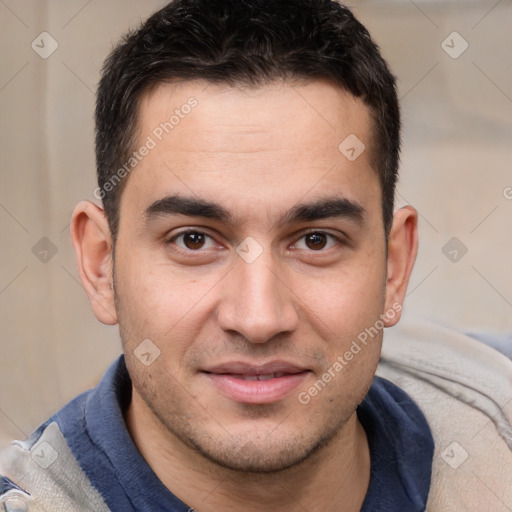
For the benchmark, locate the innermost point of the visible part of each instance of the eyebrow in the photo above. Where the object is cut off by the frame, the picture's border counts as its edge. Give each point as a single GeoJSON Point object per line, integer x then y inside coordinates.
{"type": "Point", "coordinates": [189, 206]}
{"type": "Point", "coordinates": [331, 207]}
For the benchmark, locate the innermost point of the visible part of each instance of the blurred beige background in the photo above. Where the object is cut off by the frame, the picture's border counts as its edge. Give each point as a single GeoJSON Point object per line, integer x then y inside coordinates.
{"type": "Point", "coordinates": [456, 170]}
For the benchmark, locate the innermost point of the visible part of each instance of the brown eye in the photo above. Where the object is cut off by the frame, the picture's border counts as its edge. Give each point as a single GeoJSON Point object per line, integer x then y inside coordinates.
{"type": "Point", "coordinates": [316, 241]}
{"type": "Point", "coordinates": [193, 240]}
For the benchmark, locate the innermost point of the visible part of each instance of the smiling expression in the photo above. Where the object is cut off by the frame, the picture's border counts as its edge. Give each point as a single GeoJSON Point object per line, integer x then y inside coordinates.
{"type": "Point", "coordinates": [251, 252]}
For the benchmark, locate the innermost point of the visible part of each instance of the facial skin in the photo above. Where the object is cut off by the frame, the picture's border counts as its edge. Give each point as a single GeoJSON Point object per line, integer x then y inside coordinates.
{"type": "Point", "coordinates": [257, 154]}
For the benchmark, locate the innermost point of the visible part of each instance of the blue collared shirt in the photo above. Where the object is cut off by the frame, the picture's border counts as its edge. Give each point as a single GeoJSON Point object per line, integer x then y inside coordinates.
{"type": "Point", "coordinates": [400, 441]}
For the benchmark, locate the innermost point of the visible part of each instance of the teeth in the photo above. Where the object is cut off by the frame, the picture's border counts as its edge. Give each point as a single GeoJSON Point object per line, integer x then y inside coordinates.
{"type": "Point", "coordinates": [266, 377]}
{"type": "Point", "coordinates": [262, 377]}
{"type": "Point", "coordinates": [269, 376]}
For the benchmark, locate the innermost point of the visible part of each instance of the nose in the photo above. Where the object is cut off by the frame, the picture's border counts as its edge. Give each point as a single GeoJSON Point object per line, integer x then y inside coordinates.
{"type": "Point", "coordinates": [256, 302]}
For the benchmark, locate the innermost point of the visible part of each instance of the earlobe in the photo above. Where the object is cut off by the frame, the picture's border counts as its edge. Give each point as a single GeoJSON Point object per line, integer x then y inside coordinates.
{"type": "Point", "coordinates": [402, 250]}
{"type": "Point", "coordinates": [92, 242]}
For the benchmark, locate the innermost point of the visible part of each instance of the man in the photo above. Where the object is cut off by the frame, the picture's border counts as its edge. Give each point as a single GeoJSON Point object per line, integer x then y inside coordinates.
{"type": "Point", "coordinates": [248, 248]}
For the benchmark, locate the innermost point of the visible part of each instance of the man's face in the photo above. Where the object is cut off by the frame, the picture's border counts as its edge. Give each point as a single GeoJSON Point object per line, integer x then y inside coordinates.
{"type": "Point", "coordinates": [250, 300]}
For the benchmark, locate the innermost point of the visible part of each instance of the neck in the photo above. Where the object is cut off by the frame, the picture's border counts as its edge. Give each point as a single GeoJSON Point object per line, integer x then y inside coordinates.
{"type": "Point", "coordinates": [335, 478]}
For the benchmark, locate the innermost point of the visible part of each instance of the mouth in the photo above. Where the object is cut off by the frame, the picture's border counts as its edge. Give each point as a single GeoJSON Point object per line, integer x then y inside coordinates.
{"type": "Point", "coordinates": [256, 384]}
{"type": "Point", "coordinates": [269, 376]}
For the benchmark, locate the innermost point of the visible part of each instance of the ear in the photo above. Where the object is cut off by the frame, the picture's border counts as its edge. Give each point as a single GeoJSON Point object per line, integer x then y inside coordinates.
{"type": "Point", "coordinates": [402, 250]}
{"type": "Point", "coordinates": [92, 241]}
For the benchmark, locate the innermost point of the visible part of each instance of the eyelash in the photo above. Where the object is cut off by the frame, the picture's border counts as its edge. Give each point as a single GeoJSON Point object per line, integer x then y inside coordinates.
{"type": "Point", "coordinates": [335, 238]}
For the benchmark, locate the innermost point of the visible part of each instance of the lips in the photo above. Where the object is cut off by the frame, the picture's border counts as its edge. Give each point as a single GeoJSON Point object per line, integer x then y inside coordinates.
{"type": "Point", "coordinates": [256, 384]}
{"type": "Point", "coordinates": [258, 377]}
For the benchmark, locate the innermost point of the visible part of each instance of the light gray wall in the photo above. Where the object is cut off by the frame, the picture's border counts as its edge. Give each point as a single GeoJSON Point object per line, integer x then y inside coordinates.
{"type": "Point", "coordinates": [456, 170]}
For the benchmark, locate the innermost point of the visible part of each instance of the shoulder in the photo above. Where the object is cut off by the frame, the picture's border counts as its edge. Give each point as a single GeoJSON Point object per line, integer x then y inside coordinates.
{"type": "Point", "coordinates": [464, 389]}
{"type": "Point", "coordinates": [41, 474]}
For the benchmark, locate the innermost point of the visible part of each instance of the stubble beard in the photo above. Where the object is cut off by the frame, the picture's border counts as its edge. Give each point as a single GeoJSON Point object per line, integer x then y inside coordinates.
{"type": "Point", "coordinates": [236, 452]}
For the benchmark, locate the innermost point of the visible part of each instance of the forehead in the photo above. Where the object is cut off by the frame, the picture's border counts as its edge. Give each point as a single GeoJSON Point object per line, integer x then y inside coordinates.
{"type": "Point", "coordinates": [309, 110]}
{"type": "Point", "coordinates": [266, 143]}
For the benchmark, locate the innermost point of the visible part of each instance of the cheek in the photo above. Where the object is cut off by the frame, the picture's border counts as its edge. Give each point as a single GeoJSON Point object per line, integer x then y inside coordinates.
{"type": "Point", "coordinates": [349, 319]}
{"type": "Point", "coordinates": [348, 300]}
{"type": "Point", "coordinates": [158, 302]}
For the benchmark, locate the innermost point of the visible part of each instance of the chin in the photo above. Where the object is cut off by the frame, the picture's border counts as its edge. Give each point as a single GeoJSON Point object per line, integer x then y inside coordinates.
{"type": "Point", "coordinates": [262, 455]}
